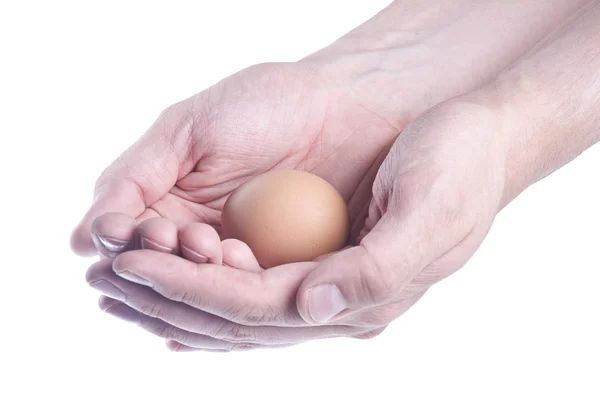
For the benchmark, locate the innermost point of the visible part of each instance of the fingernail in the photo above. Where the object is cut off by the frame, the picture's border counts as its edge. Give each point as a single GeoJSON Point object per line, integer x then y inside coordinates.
{"type": "Point", "coordinates": [113, 245]}
{"type": "Point", "coordinates": [134, 278]}
{"type": "Point", "coordinates": [108, 289]}
{"type": "Point", "coordinates": [193, 255]}
{"type": "Point", "coordinates": [325, 302]}
{"type": "Point", "coordinates": [152, 245]}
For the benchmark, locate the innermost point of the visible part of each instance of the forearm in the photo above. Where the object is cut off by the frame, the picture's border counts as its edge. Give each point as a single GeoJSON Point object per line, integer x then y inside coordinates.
{"type": "Point", "coordinates": [424, 52]}
{"type": "Point", "coordinates": [553, 97]}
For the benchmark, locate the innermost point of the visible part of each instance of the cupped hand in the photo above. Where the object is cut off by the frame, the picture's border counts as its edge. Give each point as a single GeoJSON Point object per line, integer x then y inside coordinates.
{"type": "Point", "coordinates": [431, 204]}
{"type": "Point", "coordinates": [270, 116]}
{"type": "Point", "coordinates": [452, 170]}
{"type": "Point", "coordinates": [434, 199]}
{"type": "Point", "coordinates": [334, 113]}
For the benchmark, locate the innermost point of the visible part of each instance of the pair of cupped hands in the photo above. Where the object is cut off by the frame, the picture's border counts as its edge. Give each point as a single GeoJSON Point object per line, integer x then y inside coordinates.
{"type": "Point", "coordinates": [424, 162]}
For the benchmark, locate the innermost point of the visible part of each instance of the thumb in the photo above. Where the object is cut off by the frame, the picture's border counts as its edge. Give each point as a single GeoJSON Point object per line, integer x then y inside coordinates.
{"type": "Point", "coordinates": [140, 176]}
{"type": "Point", "coordinates": [401, 244]}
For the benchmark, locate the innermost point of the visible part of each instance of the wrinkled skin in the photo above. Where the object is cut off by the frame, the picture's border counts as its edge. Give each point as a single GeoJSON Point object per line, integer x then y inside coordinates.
{"type": "Point", "coordinates": [421, 202]}
{"type": "Point", "coordinates": [420, 186]}
{"type": "Point", "coordinates": [233, 131]}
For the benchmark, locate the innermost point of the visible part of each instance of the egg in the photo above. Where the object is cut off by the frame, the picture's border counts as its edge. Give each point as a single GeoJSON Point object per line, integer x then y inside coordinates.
{"type": "Point", "coordinates": [286, 216]}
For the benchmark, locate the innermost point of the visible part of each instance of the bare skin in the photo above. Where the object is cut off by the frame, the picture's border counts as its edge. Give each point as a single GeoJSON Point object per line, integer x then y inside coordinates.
{"type": "Point", "coordinates": [335, 113]}
{"type": "Point", "coordinates": [451, 170]}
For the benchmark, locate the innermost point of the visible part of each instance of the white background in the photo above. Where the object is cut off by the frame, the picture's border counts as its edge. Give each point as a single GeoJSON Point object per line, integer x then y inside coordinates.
{"type": "Point", "coordinates": [80, 81]}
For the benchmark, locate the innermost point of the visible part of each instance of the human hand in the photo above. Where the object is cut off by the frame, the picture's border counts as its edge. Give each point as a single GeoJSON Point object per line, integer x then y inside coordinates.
{"type": "Point", "coordinates": [334, 113]}
{"type": "Point", "coordinates": [271, 116]}
{"type": "Point", "coordinates": [434, 199]}
{"type": "Point", "coordinates": [260, 308]}
{"type": "Point", "coordinates": [452, 170]}
{"type": "Point", "coordinates": [431, 197]}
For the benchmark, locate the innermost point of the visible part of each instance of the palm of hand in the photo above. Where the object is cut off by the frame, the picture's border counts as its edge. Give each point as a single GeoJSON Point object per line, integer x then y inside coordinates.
{"type": "Point", "coordinates": [283, 117]}
{"type": "Point", "coordinates": [268, 117]}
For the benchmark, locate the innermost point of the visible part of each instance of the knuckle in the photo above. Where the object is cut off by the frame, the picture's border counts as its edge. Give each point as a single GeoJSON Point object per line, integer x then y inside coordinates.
{"type": "Point", "coordinates": [244, 347]}
{"type": "Point", "coordinates": [379, 282]}
{"type": "Point", "coordinates": [165, 331]}
{"type": "Point", "coordinates": [253, 315]}
{"type": "Point", "coordinates": [183, 296]}
{"type": "Point", "coordinates": [160, 331]}
{"type": "Point", "coordinates": [242, 333]}
{"type": "Point", "coordinates": [188, 297]}
{"type": "Point", "coordinates": [106, 175]}
{"type": "Point", "coordinates": [236, 333]}
{"type": "Point", "coordinates": [152, 310]}
{"type": "Point", "coordinates": [220, 331]}
{"type": "Point", "coordinates": [175, 125]}
{"type": "Point", "coordinates": [174, 111]}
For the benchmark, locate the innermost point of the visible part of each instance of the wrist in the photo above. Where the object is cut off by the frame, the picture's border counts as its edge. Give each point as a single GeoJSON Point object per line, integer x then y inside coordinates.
{"type": "Point", "coordinates": [414, 55]}
{"type": "Point", "coordinates": [549, 103]}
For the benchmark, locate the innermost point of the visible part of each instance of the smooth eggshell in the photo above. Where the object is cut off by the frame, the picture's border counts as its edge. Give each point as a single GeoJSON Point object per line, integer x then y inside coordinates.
{"type": "Point", "coordinates": [286, 216]}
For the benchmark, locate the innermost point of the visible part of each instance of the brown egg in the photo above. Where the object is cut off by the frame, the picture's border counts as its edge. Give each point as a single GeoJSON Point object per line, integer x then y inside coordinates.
{"type": "Point", "coordinates": [286, 216]}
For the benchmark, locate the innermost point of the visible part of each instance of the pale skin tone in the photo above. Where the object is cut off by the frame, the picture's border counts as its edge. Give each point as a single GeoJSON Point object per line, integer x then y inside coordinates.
{"type": "Point", "coordinates": [425, 146]}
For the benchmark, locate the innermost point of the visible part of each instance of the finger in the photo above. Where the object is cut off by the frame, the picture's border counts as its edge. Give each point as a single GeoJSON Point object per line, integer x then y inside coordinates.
{"type": "Point", "coordinates": [164, 330]}
{"type": "Point", "coordinates": [398, 247]}
{"type": "Point", "coordinates": [370, 334]}
{"type": "Point", "coordinates": [238, 255]}
{"type": "Point", "coordinates": [146, 301]}
{"type": "Point", "coordinates": [201, 244]}
{"type": "Point", "coordinates": [113, 233]}
{"type": "Point", "coordinates": [141, 175]}
{"type": "Point", "coordinates": [248, 298]}
{"type": "Point", "coordinates": [159, 234]}
{"type": "Point", "coordinates": [175, 346]}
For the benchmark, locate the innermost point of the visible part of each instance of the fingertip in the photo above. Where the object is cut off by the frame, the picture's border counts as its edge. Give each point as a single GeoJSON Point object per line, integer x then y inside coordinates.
{"type": "Point", "coordinates": [98, 270]}
{"type": "Point", "coordinates": [333, 288]}
{"type": "Point", "coordinates": [106, 303]}
{"type": "Point", "coordinates": [125, 261]}
{"type": "Point", "coordinates": [200, 243]}
{"type": "Point", "coordinates": [119, 197]}
{"type": "Point", "coordinates": [81, 242]}
{"type": "Point", "coordinates": [159, 234]}
{"type": "Point", "coordinates": [174, 346]}
{"type": "Point", "coordinates": [238, 255]}
{"type": "Point", "coordinates": [113, 233]}
{"type": "Point", "coordinates": [304, 293]}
